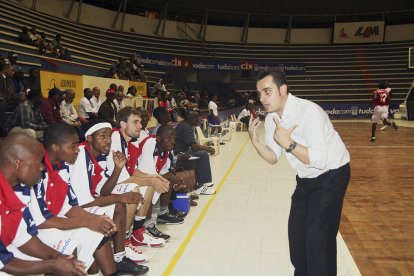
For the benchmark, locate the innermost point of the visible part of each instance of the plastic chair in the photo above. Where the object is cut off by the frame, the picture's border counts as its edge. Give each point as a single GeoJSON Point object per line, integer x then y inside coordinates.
{"type": "Point", "coordinates": [228, 130]}
{"type": "Point", "coordinates": [242, 125]}
{"type": "Point", "coordinates": [208, 141]}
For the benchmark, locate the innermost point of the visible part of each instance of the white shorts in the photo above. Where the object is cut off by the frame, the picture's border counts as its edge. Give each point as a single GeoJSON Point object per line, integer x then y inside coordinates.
{"type": "Point", "coordinates": [128, 187]}
{"type": "Point", "coordinates": [106, 210]}
{"type": "Point", "coordinates": [380, 113]}
{"type": "Point", "coordinates": [66, 241]}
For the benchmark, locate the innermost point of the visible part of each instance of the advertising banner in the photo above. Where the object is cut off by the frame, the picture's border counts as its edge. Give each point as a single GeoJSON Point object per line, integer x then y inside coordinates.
{"type": "Point", "coordinates": [49, 80]}
{"type": "Point", "coordinates": [140, 86]}
{"type": "Point", "coordinates": [353, 111]}
{"type": "Point", "coordinates": [359, 32]}
{"type": "Point", "coordinates": [206, 64]}
{"type": "Point", "coordinates": [346, 110]}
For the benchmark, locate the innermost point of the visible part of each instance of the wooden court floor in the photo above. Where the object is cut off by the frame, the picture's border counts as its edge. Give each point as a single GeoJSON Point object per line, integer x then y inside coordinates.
{"type": "Point", "coordinates": [378, 215]}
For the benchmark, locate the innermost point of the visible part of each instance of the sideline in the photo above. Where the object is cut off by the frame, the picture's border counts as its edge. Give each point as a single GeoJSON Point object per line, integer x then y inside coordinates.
{"type": "Point", "coordinates": [197, 223]}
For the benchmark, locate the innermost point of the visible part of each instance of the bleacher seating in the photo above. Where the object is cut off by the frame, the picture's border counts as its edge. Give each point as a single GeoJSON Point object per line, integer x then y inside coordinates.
{"type": "Point", "coordinates": [334, 73]}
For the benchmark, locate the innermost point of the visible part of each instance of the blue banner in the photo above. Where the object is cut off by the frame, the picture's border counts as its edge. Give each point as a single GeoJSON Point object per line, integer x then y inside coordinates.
{"type": "Point", "coordinates": [200, 64]}
{"type": "Point", "coordinates": [353, 111]}
{"type": "Point", "coordinates": [347, 110]}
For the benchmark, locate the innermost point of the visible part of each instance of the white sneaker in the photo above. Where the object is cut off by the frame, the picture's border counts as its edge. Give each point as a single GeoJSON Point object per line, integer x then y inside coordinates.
{"type": "Point", "coordinates": [204, 190]}
{"type": "Point", "coordinates": [209, 184]}
{"type": "Point", "coordinates": [383, 127]}
{"type": "Point", "coordinates": [141, 237]}
{"type": "Point", "coordinates": [134, 253]}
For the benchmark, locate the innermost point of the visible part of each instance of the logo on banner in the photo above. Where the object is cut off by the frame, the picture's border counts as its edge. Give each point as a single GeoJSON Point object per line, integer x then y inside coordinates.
{"type": "Point", "coordinates": [246, 66]}
{"type": "Point", "coordinates": [354, 110]}
{"type": "Point", "coordinates": [181, 62]}
{"type": "Point", "coordinates": [367, 32]}
{"type": "Point", "coordinates": [53, 84]}
{"type": "Point", "coordinates": [343, 34]}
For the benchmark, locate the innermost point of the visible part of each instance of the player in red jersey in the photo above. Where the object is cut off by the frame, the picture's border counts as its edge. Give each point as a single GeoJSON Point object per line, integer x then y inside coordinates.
{"type": "Point", "coordinates": [381, 100]}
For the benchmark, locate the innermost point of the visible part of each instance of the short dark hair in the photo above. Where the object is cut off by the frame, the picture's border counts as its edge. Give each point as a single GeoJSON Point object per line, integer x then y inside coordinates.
{"type": "Point", "coordinates": [164, 128]}
{"type": "Point", "coordinates": [124, 113]}
{"type": "Point", "coordinates": [158, 112]}
{"type": "Point", "coordinates": [382, 85]}
{"type": "Point", "coordinates": [279, 77]}
{"type": "Point", "coordinates": [57, 133]}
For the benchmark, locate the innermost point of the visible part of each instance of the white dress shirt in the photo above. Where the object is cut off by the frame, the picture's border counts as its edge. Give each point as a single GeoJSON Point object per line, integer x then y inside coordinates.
{"type": "Point", "coordinates": [96, 103]}
{"type": "Point", "coordinates": [314, 131]}
{"type": "Point", "coordinates": [68, 112]}
{"type": "Point", "coordinates": [86, 106]}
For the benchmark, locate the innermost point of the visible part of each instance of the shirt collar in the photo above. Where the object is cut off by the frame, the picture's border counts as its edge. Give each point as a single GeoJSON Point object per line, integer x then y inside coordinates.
{"type": "Point", "coordinates": [290, 107]}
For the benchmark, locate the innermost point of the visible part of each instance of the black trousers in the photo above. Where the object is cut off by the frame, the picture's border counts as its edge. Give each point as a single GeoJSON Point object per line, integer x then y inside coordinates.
{"type": "Point", "coordinates": [314, 222]}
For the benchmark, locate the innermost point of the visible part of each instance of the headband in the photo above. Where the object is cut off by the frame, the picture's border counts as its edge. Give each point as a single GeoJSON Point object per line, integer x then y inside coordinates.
{"type": "Point", "coordinates": [97, 127]}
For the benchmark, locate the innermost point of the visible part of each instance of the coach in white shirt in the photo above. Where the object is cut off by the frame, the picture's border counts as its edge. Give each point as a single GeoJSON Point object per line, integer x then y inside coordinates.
{"type": "Point", "coordinates": [314, 149]}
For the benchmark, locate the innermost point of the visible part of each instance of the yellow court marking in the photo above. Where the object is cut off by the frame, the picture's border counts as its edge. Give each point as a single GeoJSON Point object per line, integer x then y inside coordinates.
{"type": "Point", "coordinates": [187, 239]}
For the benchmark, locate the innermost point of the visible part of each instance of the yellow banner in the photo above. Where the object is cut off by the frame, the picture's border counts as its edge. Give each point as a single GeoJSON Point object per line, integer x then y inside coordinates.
{"type": "Point", "coordinates": [49, 80]}
{"type": "Point", "coordinates": [140, 86]}
{"type": "Point", "coordinates": [77, 83]}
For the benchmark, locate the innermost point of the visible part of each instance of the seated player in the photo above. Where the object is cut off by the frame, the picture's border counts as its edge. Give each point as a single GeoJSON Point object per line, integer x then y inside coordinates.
{"type": "Point", "coordinates": [157, 157]}
{"type": "Point", "coordinates": [21, 162]}
{"type": "Point", "coordinates": [124, 139]}
{"type": "Point", "coordinates": [90, 165]}
{"type": "Point", "coordinates": [63, 225]}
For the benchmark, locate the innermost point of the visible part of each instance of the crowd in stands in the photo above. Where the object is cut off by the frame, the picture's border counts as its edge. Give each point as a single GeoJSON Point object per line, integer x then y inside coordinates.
{"type": "Point", "coordinates": [127, 69]}
{"type": "Point", "coordinates": [46, 46]}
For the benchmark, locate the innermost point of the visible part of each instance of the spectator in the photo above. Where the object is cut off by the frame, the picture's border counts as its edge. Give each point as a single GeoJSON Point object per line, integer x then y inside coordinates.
{"type": "Point", "coordinates": [144, 123]}
{"type": "Point", "coordinates": [35, 36]}
{"type": "Point", "coordinates": [19, 85]}
{"type": "Point", "coordinates": [107, 110]}
{"type": "Point", "coordinates": [45, 45]}
{"type": "Point", "coordinates": [245, 114]}
{"type": "Point", "coordinates": [132, 92]}
{"type": "Point", "coordinates": [186, 143]}
{"type": "Point", "coordinates": [68, 111]}
{"type": "Point", "coordinates": [58, 48]}
{"type": "Point", "coordinates": [7, 96]}
{"type": "Point", "coordinates": [119, 100]}
{"type": "Point", "coordinates": [24, 36]}
{"type": "Point", "coordinates": [87, 109]}
{"type": "Point", "coordinates": [50, 107]}
{"type": "Point", "coordinates": [212, 118]}
{"type": "Point", "coordinates": [96, 100]}
{"type": "Point", "coordinates": [12, 57]}
{"type": "Point", "coordinates": [33, 81]}
{"type": "Point", "coordinates": [163, 118]}
{"type": "Point", "coordinates": [27, 118]}
{"type": "Point", "coordinates": [113, 86]}
{"type": "Point", "coordinates": [121, 89]}
{"type": "Point", "coordinates": [111, 74]}
{"type": "Point", "coordinates": [141, 73]}
{"type": "Point", "coordinates": [159, 87]}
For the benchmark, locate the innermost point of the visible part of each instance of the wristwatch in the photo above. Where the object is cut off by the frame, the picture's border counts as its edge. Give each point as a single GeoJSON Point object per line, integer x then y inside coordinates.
{"type": "Point", "coordinates": [291, 147]}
